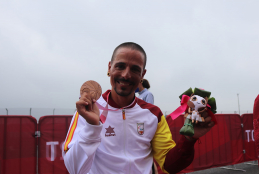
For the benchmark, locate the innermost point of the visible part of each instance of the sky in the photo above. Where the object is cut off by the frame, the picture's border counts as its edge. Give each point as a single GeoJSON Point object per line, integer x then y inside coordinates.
{"type": "Point", "coordinates": [48, 49]}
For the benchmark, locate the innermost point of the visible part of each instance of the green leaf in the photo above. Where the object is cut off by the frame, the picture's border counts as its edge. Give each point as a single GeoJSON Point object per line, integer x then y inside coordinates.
{"type": "Point", "coordinates": [187, 92]}
{"type": "Point", "coordinates": [201, 93]}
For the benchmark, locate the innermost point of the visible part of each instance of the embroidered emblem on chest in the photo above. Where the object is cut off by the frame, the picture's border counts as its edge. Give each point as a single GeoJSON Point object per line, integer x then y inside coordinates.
{"type": "Point", "coordinates": [140, 128]}
{"type": "Point", "coordinates": [109, 132]}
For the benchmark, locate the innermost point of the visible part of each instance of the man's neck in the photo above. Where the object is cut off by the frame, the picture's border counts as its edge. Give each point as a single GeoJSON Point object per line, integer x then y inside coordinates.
{"type": "Point", "coordinates": [122, 101]}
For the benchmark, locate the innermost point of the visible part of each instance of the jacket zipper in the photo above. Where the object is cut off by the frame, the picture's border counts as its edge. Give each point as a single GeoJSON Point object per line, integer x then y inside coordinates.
{"type": "Point", "coordinates": [123, 114]}
{"type": "Point", "coordinates": [125, 137]}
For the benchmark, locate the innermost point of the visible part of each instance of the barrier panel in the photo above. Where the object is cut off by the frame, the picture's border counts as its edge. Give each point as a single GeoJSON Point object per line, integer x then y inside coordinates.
{"type": "Point", "coordinates": [248, 137]}
{"type": "Point", "coordinates": [256, 125]}
{"type": "Point", "coordinates": [18, 144]}
{"type": "Point", "coordinates": [53, 130]}
{"type": "Point", "coordinates": [221, 146]}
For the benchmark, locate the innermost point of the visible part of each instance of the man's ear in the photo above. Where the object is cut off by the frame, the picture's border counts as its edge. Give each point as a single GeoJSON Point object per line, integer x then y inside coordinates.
{"type": "Point", "coordinates": [144, 72]}
{"type": "Point", "coordinates": [109, 66]}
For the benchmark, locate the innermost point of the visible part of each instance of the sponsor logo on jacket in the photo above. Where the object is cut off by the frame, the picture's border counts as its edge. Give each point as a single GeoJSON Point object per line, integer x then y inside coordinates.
{"type": "Point", "coordinates": [109, 132]}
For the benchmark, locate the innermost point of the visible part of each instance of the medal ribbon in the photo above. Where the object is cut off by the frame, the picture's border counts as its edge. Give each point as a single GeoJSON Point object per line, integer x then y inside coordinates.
{"type": "Point", "coordinates": [105, 109]}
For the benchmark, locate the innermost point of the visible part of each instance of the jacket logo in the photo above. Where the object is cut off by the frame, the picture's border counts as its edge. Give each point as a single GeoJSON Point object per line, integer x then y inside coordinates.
{"type": "Point", "coordinates": [109, 132]}
{"type": "Point", "coordinates": [140, 128]}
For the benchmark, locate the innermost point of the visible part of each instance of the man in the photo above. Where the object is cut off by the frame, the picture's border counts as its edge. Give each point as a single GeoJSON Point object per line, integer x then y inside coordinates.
{"type": "Point", "coordinates": [134, 131]}
{"type": "Point", "coordinates": [144, 94]}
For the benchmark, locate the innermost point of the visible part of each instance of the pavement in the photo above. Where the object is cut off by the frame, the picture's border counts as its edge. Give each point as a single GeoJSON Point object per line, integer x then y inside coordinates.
{"type": "Point", "coordinates": [242, 168]}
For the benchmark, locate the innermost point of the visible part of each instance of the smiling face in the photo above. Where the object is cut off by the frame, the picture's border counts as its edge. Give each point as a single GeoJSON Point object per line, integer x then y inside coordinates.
{"type": "Point", "coordinates": [126, 71]}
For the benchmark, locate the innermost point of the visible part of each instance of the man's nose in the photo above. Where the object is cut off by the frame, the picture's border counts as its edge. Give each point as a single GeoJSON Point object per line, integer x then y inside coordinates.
{"type": "Point", "coordinates": [126, 73]}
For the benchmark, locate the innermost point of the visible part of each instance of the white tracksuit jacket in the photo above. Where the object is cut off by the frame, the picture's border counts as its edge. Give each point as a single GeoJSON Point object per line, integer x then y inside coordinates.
{"type": "Point", "coordinates": [125, 143]}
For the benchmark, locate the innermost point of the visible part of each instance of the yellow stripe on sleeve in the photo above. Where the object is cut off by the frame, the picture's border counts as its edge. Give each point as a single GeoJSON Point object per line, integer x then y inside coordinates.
{"type": "Point", "coordinates": [71, 132]}
{"type": "Point", "coordinates": [162, 143]}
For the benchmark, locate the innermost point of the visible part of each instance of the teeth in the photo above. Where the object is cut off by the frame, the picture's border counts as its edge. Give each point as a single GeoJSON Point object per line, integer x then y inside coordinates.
{"type": "Point", "coordinates": [123, 83]}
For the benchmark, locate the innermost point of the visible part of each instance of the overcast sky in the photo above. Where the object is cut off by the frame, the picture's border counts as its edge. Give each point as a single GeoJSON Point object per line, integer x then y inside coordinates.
{"type": "Point", "coordinates": [48, 49]}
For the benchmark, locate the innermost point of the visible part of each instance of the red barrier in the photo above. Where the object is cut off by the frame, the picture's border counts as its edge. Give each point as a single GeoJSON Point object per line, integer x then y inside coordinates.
{"type": "Point", "coordinates": [219, 147]}
{"type": "Point", "coordinates": [53, 130]}
{"type": "Point", "coordinates": [248, 137]}
{"type": "Point", "coordinates": [223, 145]}
{"type": "Point", "coordinates": [256, 125]}
{"type": "Point", "coordinates": [17, 144]}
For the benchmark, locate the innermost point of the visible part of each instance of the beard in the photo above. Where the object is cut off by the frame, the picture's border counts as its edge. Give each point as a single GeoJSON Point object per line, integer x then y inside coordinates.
{"type": "Point", "coordinates": [123, 91]}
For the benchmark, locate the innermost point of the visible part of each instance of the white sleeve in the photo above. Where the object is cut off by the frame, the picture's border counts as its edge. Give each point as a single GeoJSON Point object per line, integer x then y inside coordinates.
{"type": "Point", "coordinates": [82, 142]}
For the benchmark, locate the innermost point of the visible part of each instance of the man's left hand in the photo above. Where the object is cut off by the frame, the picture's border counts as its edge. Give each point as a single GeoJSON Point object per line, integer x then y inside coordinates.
{"type": "Point", "coordinates": [201, 128]}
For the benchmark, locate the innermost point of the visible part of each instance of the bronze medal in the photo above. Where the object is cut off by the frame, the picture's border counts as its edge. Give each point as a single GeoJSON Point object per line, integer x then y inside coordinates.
{"type": "Point", "coordinates": [92, 88]}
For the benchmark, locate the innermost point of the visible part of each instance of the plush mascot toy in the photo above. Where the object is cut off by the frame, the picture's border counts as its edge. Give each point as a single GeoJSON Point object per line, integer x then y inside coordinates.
{"type": "Point", "coordinates": [194, 103]}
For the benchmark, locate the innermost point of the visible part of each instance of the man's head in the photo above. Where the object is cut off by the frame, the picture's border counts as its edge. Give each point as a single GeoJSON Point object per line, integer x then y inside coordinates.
{"type": "Point", "coordinates": [132, 46]}
{"type": "Point", "coordinates": [127, 68]}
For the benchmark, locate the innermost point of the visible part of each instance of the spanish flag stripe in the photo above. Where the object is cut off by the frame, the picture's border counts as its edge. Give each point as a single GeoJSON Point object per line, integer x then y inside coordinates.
{"type": "Point", "coordinates": [71, 132]}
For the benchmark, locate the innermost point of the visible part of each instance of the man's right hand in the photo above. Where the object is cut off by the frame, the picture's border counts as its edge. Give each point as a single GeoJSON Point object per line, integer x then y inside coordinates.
{"type": "Point", "coordinates": [87, 108]}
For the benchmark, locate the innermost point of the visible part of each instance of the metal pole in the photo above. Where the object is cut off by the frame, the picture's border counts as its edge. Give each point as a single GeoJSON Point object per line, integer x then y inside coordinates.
{"type": "Point", "coordinates": [30, 111]}
{"type": "Point", "coordinates": [54, 111]}
{"type": "Point", "coordinates": [6, 111]}
{"type": "Point", "coordinates": [238, 103]}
